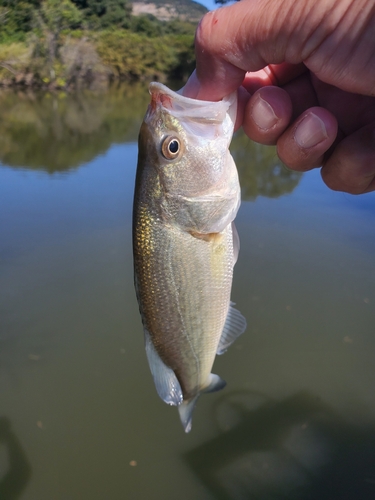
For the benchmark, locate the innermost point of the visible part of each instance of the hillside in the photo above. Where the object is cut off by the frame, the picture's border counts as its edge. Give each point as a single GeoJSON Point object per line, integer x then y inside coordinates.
{"type": "Point", "coordinates": [186, 10]}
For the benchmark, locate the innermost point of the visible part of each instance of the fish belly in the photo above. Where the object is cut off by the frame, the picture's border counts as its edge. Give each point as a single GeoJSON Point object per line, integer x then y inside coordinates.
{"type": "Point", "coordinates": [183, 286]}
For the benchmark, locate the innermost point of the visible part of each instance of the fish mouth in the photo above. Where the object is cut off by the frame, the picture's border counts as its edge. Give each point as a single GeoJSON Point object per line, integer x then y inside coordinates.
{"type": "Point", "coordinates": [185, 107]}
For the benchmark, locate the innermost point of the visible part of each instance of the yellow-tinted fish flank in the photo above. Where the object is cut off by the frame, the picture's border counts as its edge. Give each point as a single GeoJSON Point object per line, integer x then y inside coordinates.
{"type": "Point", "coordinates": [185, 245]}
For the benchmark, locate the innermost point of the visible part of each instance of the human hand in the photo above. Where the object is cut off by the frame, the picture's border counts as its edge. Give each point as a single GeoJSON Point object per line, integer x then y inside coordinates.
{"type": "Point", "coordinates": [310, 67]}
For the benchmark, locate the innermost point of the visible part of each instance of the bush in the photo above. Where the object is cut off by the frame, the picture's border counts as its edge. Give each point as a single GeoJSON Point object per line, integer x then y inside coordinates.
{"type": "Point", "coordinates": [13, 57]}
{"type": "Point", "coordinates": [136, 56]}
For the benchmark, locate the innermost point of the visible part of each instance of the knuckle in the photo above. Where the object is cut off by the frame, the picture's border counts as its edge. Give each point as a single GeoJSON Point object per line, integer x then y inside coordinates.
{"type": "Point", "coordinates": [204, 33]}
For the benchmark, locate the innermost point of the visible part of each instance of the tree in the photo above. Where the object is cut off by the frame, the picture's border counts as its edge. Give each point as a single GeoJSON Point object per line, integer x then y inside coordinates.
{"type": "Point", "coordinates": [53, 17]}
{"type": "Point", "coordinates": [58, 15]}
{"type": "Point", "coordinates": [108, 12]}
{"type": "Point", "coordinates": [147, 24]}
{"type": "Point", "coordinates": [117, 13]}
{"type": "Point", "coordinates": [16, 17]}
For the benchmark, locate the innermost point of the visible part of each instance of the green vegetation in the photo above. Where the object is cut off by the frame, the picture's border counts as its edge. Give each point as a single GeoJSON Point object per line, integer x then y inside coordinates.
{"type": "Point", "coordinates": [137, 57]}
{"type": "Point", "coordinates": [66, 43]}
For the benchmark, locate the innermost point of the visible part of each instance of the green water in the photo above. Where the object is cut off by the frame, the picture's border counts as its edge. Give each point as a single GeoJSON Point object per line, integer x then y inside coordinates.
{"type": "Point", "coordinates": [79, 415]}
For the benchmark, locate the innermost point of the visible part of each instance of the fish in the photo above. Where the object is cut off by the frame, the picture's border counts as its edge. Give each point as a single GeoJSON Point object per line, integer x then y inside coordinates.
{"type": "Point", "coordinates": [185, 243]}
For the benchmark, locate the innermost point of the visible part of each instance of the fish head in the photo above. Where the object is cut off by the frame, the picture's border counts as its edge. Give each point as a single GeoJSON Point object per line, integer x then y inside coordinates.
{"type": "Point", "coordinates": [187, 143]}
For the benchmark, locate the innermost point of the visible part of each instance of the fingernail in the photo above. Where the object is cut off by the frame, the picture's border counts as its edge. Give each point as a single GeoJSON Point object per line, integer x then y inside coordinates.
{"type": "Point", "coordinates": [263, 114]}
{"type": "Point", "coordinates": [310, 131]}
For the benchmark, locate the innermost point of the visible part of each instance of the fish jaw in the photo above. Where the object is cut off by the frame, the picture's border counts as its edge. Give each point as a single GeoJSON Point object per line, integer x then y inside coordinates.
{"type": "Point", "coordinates": [197, 113]}
{"type": "Point", "coordinates": [210, 212]}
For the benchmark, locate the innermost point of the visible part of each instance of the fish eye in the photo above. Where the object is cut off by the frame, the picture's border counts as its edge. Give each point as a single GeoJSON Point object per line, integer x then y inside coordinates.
{"type": "Point", "coordinates": [171, 148]}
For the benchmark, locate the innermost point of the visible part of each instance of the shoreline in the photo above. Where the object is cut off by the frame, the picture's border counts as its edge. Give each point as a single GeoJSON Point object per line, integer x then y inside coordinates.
{"type": "Point", "coordinates": [94, 60]}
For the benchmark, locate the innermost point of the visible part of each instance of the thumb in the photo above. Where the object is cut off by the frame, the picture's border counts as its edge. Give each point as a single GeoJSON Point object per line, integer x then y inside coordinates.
{"type": "Point", "coordinates": [252, 34]}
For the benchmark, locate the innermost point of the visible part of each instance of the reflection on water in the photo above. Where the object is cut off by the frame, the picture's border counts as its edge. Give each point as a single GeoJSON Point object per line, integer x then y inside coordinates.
{"type": "Point", "coordinates": [298, 448]}
{"type": "Point", "coordinates": [260, 170]}
{"type": "Point", "coordinates": [297, 418]}
{"type": "Point", "coordinates": [60, 131]}
{"type": "Point", "coordinates": [16, 477]}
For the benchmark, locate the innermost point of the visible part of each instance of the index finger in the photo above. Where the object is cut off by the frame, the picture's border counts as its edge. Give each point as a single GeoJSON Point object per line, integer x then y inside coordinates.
{"type": "Point", "coordinates": [250, 35]}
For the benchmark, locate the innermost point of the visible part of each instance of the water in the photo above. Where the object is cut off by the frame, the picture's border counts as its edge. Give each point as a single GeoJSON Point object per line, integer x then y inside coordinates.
{"type": "Point", "coordinates": [79, 416]}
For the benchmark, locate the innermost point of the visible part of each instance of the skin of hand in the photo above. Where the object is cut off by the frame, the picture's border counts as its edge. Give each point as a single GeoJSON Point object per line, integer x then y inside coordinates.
{"type": "Point", "coordinates": [305, 71]}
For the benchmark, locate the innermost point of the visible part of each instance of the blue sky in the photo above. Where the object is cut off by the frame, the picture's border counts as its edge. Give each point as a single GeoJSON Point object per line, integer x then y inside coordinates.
{"type": "Point", "coordinates": [210, 4]}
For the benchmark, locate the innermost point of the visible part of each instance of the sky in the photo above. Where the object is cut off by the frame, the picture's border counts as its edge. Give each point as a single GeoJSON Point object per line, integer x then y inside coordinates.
{"type": "Point", "coordinates": [210, 4]}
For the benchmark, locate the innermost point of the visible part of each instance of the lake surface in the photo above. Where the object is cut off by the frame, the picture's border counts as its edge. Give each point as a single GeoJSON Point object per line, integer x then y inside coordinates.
{"type": "Point", "coordinates": [79, 416]}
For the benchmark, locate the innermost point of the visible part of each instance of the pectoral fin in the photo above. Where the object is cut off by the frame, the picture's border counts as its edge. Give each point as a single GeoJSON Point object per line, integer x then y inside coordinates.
{"type": "Point", "coordinates": [234, 326]}
{"type": "Point", "coordinates": [236, 243]}
{"type": "Point", "coordinates": [166, 383]}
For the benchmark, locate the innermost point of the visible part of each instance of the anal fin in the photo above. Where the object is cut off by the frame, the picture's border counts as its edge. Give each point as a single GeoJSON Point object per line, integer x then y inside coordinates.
{"type": "Point", "coordinates": [166, 383]}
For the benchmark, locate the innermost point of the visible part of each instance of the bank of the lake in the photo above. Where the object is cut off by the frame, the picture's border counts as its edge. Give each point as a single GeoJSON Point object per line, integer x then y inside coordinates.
{"type": "Point", "coordinates": [68, 44]}
{"type": "Point", "coordinates": [97, 60]}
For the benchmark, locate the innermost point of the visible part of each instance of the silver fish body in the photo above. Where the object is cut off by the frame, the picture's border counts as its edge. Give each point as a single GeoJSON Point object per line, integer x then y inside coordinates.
{"type": "Point", "coordinates": [185, 244]}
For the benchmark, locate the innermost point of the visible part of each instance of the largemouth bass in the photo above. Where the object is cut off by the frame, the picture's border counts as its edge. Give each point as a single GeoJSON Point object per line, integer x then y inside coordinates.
{"type": "Point", "coordinates": [185, 244]}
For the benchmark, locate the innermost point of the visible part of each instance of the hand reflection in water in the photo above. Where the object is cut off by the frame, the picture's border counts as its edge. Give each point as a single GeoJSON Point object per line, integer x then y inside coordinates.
{"type": "Point", "coordinates": [297, 449]}
{"type": "Point", "coordinates": [16, 478]}
{"type": "Point", "coordinates": [310, 67]}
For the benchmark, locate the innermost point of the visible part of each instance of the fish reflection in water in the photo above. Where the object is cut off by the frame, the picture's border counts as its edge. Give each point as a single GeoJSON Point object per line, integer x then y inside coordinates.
{"type": "Point", "coordinates": [185, 244]}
